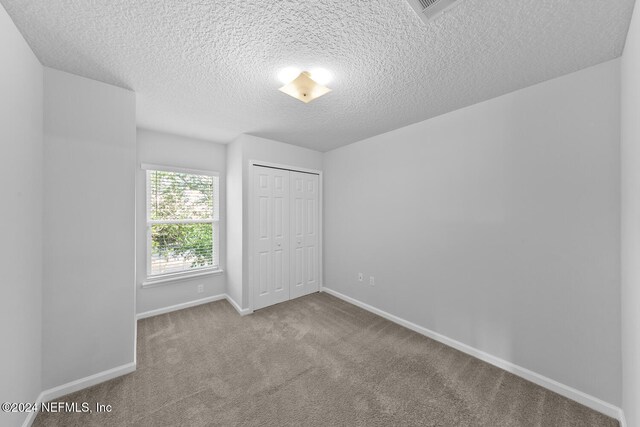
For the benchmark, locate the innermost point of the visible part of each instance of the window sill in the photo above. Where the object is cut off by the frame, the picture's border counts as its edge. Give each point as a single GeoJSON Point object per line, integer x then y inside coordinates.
{"type": "Point", "coordinates": [167, 280]}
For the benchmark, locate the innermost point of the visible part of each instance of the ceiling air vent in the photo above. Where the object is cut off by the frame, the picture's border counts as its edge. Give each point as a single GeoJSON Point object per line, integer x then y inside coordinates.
{"type": "Point", "coordinates": [428, 10]}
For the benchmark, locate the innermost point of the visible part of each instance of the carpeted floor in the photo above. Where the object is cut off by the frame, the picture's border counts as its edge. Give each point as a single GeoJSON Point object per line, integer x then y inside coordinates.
{"type": "Point", "coordinates": [312, 361]}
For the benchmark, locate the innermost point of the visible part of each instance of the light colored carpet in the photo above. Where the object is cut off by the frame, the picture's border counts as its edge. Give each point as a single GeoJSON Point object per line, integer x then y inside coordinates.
{"type": "Point", "coordinates": [312, 361]}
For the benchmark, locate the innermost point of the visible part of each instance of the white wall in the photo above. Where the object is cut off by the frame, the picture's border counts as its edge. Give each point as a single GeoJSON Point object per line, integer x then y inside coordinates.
{"type": "Point", "coordinates": [244, 149]}
{"type": "Point", "coordinates": [496, 225]}
{"type": "Point", "coordinates": [20, 219]}
{"type": "Point", "coordinates": [89, 172]}
{"type": "Point", "coordinates": [172, 150]}
{"type": "Point", "coordinates": [631, 223]}
{"type": "Point", "coordinates": [234, 221]}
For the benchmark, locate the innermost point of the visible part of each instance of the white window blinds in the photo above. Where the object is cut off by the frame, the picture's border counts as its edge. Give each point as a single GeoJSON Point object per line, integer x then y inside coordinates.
{"type": "Point", "coordinates": [182, 221]}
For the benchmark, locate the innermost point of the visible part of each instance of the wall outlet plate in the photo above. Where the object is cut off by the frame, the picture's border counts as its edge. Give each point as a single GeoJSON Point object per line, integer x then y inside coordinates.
{"type": "Point", "coordinates": [200, 289]}
{"type": "Point", "coordinates": [372, 281]}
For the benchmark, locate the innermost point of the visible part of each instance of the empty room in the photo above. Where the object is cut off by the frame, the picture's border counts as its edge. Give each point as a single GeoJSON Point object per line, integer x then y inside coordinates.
{"type": "Point", "coordinates": [320, 213]}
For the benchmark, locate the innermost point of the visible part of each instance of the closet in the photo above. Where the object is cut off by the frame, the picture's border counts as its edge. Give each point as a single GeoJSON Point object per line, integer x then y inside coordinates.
{"type": "Point", "coordinates": [285, 235]}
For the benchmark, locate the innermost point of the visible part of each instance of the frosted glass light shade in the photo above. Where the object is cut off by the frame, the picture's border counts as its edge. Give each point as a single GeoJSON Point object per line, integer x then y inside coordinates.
{"type": "Point", "coordinates": [304, 88]}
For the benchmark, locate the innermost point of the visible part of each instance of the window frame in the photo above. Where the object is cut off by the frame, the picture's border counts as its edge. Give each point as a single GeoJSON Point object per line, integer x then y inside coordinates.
{"type": "Point", "coordinates": [152, 279]}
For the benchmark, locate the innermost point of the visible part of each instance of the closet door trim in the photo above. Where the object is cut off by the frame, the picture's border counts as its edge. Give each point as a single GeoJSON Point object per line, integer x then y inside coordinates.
{"type": "Point", "coordinates": [250, 230]}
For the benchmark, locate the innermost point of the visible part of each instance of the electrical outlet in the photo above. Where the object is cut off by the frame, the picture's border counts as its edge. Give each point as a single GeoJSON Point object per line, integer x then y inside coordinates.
{"type": "Point", "coordinates": [200, 289]}
{"type": "Point", "coordinates": [360, 277]}
{"type": "Point", "coordinates": [372, 281]}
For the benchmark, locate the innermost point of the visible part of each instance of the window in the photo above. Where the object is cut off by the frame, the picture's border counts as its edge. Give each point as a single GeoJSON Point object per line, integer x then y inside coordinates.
{"type": "Point", "coordinates": [182, 221]}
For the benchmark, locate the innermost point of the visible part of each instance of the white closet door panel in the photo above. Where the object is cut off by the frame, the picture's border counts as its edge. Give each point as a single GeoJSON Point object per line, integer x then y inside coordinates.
{"type": "Point", "coordinates": [279, 279]}
{"type": "Point", "coordinates": [271, 225]}
{"type": "Point", "coordinates": [298, 217]}
{"type": "Point", "coordinates": [298, 266]}
{"type": "Point", "coordinates": [263, 272]}
{"type": "Point", "coordinates": [304, 233]}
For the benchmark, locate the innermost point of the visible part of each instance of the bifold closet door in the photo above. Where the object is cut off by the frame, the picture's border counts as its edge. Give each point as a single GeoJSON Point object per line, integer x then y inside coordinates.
{"type": "Point", "coordinates": [305, 228]}
{"type": "Point", "coordinates": [271, 229]}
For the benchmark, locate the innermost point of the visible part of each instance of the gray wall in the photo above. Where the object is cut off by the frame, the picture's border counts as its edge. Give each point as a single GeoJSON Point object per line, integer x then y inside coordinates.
{"type": "Point", "coordinates": [20, 219]}
{"type": "Point", "coordinates": [631, 223]}
{"type": "Point", "coordinates": [89, 172]}
{"type": "Point", "coordinates": [172, 150]}
{"type": "Point", "coordinates": [496, 225]}
{"type": "Point", "coordinates": [244, 149]}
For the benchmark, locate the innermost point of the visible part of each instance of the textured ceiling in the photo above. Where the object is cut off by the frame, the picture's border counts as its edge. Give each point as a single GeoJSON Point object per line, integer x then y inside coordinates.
{"type": "Point", "coordinates": [207, 68]}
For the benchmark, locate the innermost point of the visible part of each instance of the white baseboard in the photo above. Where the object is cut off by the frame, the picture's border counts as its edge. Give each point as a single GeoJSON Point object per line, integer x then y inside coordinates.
{"type": "Point", "coordinates": [100, 377]}
{"type": "Point", "coordinates": [31, 416]}
{"type": "Point", "coordinates": [164, 310]}
{"type": "Point", "coordinates": [73, 386]}
{"type": "Point", "coordinates": [176, 307]}
{"type": "Point", "coordinates": [622, 419]}
{"type": "Point", "coordinates": [241, 311]}
{"type": "Point", "coordinates": [564, 390]}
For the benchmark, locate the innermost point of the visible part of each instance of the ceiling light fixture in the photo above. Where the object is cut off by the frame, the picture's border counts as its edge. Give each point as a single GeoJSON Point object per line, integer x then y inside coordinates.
{"type": "Point", "coordinates": [306, 86]}
{"type": "Point", "coordinates": [321, 76]}
{"type": "Point", "coordinates": [287, 75]}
